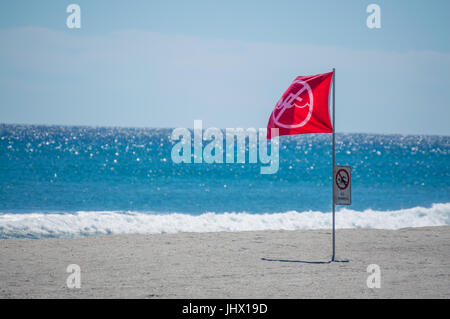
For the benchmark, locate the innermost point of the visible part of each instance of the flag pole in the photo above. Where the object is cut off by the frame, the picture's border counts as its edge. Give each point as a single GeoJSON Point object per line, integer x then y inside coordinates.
{"type": "Point", "coordinates": [333, 163]}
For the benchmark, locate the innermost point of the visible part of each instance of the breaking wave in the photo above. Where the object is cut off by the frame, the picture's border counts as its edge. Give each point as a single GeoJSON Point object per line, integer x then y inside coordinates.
{"type": "Point", "coordinates": [44, 225]}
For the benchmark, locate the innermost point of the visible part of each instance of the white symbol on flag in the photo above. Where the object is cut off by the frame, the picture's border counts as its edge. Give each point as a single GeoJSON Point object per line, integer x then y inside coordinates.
{"type": "Point", "coordinates": [294, 100]}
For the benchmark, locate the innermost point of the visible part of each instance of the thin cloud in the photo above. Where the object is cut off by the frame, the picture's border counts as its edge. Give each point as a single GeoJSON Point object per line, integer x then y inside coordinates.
{"type": "Point", "coordinates": [226, 83]}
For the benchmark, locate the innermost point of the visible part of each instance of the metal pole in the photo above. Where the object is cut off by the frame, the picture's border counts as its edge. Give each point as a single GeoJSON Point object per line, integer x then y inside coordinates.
{"type": "Point", "coordinates": [332, 176]}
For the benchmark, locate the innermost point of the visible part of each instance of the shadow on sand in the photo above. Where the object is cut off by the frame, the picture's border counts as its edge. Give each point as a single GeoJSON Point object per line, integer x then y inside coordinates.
{"type": "Point", "coordinates": [305, 261]}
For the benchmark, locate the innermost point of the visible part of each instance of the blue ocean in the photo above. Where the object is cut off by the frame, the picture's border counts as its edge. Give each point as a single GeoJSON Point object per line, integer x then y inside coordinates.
{"type": "Point", "coordinates": [61, 181]}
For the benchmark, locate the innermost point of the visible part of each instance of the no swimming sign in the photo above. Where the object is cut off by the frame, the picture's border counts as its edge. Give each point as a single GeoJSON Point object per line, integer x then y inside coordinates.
{"type": "Point", "coordinates": [342, 185]}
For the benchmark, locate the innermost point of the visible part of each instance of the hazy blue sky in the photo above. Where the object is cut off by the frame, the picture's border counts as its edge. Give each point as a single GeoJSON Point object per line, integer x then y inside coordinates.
{"type": "Point", "coordinates": [166, 63]}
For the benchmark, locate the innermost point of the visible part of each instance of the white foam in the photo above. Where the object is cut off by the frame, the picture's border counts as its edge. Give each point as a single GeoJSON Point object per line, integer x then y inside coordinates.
{"type": "Point", "coordinates": [38, 225]}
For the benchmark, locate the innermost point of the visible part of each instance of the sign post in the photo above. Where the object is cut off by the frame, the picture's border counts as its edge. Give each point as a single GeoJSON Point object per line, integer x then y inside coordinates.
{"type": "Point", "coordinates": [308, 97]}
{"type": "Point", "coordinates": [341, 179]}
{"type": "Point", "coordinates": [332, 176]}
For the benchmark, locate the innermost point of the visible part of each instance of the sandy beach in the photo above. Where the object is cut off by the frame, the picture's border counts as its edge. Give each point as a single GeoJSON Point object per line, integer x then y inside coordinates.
{"type": "Point", "coordinates": [414, 263]}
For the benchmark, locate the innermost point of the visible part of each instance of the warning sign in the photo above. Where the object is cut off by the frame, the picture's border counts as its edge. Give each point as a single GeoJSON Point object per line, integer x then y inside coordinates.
{"type": "Point", "coordinates": [342, 185]}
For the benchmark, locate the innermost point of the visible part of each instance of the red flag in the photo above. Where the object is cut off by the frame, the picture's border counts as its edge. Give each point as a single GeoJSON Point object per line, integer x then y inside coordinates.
{"type": "Point", "coordinates": [303, 108]}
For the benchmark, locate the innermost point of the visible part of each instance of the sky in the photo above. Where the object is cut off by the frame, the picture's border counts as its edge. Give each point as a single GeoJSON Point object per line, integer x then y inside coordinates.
{"type": "Point", "coordinates": [168, 63]}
